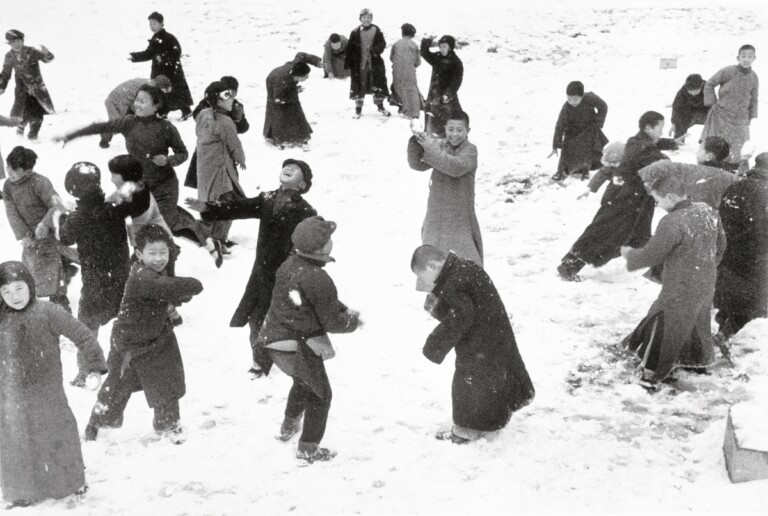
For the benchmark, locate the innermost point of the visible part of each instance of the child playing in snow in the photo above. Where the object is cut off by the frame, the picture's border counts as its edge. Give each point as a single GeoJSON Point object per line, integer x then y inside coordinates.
{"type": "Point", "coordinates": [490, 381]}
{"type": "Point", "coordinates": [450, 223]}
{"type": "Point", "coordinates": [368, 76]}
{"type": "Point", "coordinates": [405, 59]}
{"type": "Point", "coordinates": [40, 454]}
{"type": "Point", "coordinates": [30, 202]}
{"type": "Point", "coordinates": [279, 212]}
{"type": "Point", "coordinates": [334, 55]}
{"type": "Point", "coordinates": [689, 242]}
{"type": "Point", "coordinates": [304, 308]}
{"type": "Point", "coordinates": [713, 152]}
{"type": "Point", "coordinates": [735, 104]}
{"type": "Point", "coordinates": [444, 84]}
{"type": "Point", "coordinates": [579, 133]}
{"type": "Point", "coordinates": [145, 354]}
{"type": "Point", "coordinates": [612, 156]}
{"type": "Point", "coordinates": [688, 107]}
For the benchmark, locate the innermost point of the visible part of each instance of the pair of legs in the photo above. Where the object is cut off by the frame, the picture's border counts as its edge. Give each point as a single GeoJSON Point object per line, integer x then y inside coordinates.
{"type": "Point", "coordinates": [302, 401]}
{"type": "Point", "coordinates": [32, 115]}
{"type": "Point", "coordinates": [378, 100]}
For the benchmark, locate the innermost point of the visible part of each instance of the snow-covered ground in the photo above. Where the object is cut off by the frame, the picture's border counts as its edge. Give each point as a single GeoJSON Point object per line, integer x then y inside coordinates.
{"type": "Point", "coordinates": [592, 441]}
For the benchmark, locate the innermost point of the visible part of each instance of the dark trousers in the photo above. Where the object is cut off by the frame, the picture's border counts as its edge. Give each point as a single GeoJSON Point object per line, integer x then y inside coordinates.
{"type": "Point", "coordinates": [32, 115]}
{"type": "Point", "coordinates": [301, 399]}
{"type": "Point", "coordinates": [114, 395]}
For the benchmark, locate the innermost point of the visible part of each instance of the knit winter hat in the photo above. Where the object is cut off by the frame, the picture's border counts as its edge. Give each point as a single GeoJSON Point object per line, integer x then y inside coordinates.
{"type": "Point", "coordinates": [305, 171]}
{"type": "Point", "coordinates": [82, 178]}
{"type": "Point", "coordinates": [311, 235]}
{"type": "Point", "coordinates": [613, 153]}
{"type": "Point", "coordinates": [127, 167]}
{"type": "Point", "coordinates": [13, 35]}
{"type": "Point", "coordinates": [448, 39]}
{"type": "Point", "coordinates": [163, 82]}
{"type": "Point", "coordinates": [156, 16]}
{"type": "Point", "coordinates": [365, 12]}
{"type": "Point", "coordinates": [16, 271]}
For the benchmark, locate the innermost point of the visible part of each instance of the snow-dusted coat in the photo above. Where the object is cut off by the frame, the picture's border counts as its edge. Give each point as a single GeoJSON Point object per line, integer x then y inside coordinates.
{"type": "Point", "coordinates": [702, 183]}
{"type": "Point", "coordinates": [40, 453]}
{"type": "Point", "coordinates": [490, 381]}
{"type": "Point", "coordinates": [26, 64]}
{"type": "Point", "coordinates": [333, 60]}
{"type": "Point", "coordinates": [579, 133]}
{"type": "Point", "coordinates": [626, 210]}
{"type": "Point", "coordinates": [304, 304]}
{"type": "Point", "coordinates": [219, 152]}
{"type": "Point", "coordinates": [284, 120]}
{"type": "Point", "coordinates": [374, 83]}
{"type": "Point", "coordinates": [143, 330]}
{"type": "Point", "coordinates": [733, 107]}
{"type": "Point", "coordinates": [276, 225]}
{"type": "Point", "coordinates": [450, 223]}
{"type": "Point", "coordinates": [165, 52]}
{"type": "Point", "coordinates": [405, 58]}
{"type": "Point", "coordinates": [689, 242]}
{"type": "Point", "coordinates": [742, 277]}
{"type": "Point", "coordinates": [27, 202]}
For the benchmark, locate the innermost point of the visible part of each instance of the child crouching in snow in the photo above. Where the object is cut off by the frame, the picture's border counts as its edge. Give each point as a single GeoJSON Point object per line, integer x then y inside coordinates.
{"type": "Point", "coordinates": [304, 308]}
{"type": "Point", "coordinates": [490, 381]}
{"type": "Point", "coordinates": [40, 454]}
{"type": "Point", "coordinates": [689, 242]}
{"type": "Point", "coordinates": [144, 352]}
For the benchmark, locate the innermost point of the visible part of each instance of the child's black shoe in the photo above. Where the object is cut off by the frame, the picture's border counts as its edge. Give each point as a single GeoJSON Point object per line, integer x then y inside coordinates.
{"type": "Point", "coordinates": [449, 435]}
{"type": "Point", "coordinates": [309, 453]}
{"type": "Point", "coordinates": [91, 432]}
{"type": "Point", "coordinates": [255, 373]}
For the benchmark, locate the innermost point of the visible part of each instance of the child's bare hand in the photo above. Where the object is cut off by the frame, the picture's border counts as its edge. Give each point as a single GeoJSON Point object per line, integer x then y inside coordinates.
{"type": "Point", "coordinates": [195, 204]}
{"type": "Point", "coordinates": [160, 160]}
{"type": "Point", "coordinates": [671, 130]}
{"type": "Point", "coordinates": [681, 139]}
{"type": "Point", "coordinates": [624, 250]}
{"type": "Point", "coordinates": [553, 153]}
{"type": "Point", "coordinates": [422, 137]}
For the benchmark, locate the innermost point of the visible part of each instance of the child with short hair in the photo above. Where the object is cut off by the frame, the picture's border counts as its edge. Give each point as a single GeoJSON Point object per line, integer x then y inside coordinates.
{"type": "Point", "coordinates": [688, 108]}
{"type": "Point", "coordinates": [40, 454]}
{"type": "Point", "coordinates": [305, 307]}
{"type": "Point", "coordinates": [735, 104]}
{"type": "Point", "coordinates": [579, 133]}
{"type": "Point", "coordinates": [30, 201]}
{"type": "Point", "coordinates": [450, 223]}
{"type": "Point", "coordinates": [713, 152]}
{"type": "Point", "coordinates": [144, 354]}
{"type": "Point", "coordinates": [490, 381]}
{"type": "Point", "coordinates": [689, 242]}
{"type": "Point", "coordinates": [279, 212]}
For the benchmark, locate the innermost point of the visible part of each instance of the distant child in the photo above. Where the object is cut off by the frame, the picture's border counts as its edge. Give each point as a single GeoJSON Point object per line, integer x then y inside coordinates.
{"type": "Point", "coordinates": [613, 153]}
{"type": "Point", "coordinates": [405, 59]}
{"type": "Point", "coordinates": [713, 152]}
{"type": "Point", "coordinates": [368, 75]}
{"type": "Point", "coordinates": [145, 354]}
{"type": "Point", "coordinates": [735, 104]}
{"type": "Point", "coordinates": [688, 108]}
{"type": "Point", "coordinates": [490, 381]}
{"type": "Point", "coordinates": [450, 223]}
{"type": "Point", "coordinates": [284, 119]}
{"type": "Point", "coordinates": [334, 55]}
{"type": "Point", "coordinates": [579, 133]}
{"type": "Point", "coordinates": [689, 242]}
{"type": "Point", "coordinates": [279, 212]}
{"type": "Point", "coordinates": [40, 453]}
{"type": "Point", "coordinates": [626, 209]}
{"type": "Point", "coordinates": [741, 292]}
{"type": "Point", "coordinates": [447, 76]}
{"type": "Point", "coordinates": [30, 202]}
{"type": "Point", "coordinates": [305, 307]}
{"type": "Point", "coordinates": [98, 229]}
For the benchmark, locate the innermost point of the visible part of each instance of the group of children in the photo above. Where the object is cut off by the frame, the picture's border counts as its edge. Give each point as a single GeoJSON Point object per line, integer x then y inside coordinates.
{"type": "Point", "coordinates": [291, 303]}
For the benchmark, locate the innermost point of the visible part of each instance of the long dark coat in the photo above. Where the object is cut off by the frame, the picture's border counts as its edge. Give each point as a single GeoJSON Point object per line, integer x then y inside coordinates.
{"type": "Point", "coordinates": [626, 210]}
{"type": "Point", "coordinates": [40, 453]}
{"type": "Point", "coordinates": [490, 382]}
{"type": "Point", "coordinates": [272, 247]}
{"type": "Point", "coordinates": [579, 133]}
{"type": "Point", "coordinates": [360, 84]}
{"type": "Point", "coordinates": [29, 80]}
{"type": "Point", "coordinates": [98, 229]}
{"type": "Point", "coordinates": [284, 120]}
{"type": "Point", "coordinates": [689, 242]}
{"type": "Point", "coordinates": [165, 52]}
{"type": "Point", "coordinates": [742, 277]}
{"type": "Point", "coordinates": [447, 75]}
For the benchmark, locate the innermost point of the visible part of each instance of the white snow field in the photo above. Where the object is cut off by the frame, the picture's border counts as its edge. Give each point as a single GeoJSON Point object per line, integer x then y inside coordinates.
{"type": "Point", "coordinates": [592, 440]}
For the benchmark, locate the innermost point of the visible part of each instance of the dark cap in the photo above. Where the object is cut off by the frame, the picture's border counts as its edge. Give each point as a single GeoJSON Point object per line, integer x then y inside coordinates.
{"type": "Point", "coordinates": [13, 35]}
{"type": "Point", "coordinates": [305, 171]}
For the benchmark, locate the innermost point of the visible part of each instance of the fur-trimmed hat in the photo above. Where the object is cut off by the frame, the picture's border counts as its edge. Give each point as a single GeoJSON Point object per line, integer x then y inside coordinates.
{"type": "Point", "coordinates": [127, 167]}
{"type": "Point", "coordinates": [311, 235]}
{"type": "Point", "coordinates": [305, 171]}
{"type": "Point", "coordinates": [13, 35]}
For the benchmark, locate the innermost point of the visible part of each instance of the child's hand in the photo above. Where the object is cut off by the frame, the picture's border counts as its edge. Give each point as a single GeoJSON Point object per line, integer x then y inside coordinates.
{"type": "Point", "coordinates": [671, 130]}
{"type": "Point", "coordinates": [160, 160]}
{"type": "Point", "coordinates": [422, 137]}
{"type": "Point", "coordinates": [681, 139]}
{"type": "Point", "coordinates": [241, 166]}
{"type": "Point", "coordinates": [195, 204]}
{"type": "Point", "coordinates": [553, 153]}
{"type": "Point", "coordinates": [624, 250]}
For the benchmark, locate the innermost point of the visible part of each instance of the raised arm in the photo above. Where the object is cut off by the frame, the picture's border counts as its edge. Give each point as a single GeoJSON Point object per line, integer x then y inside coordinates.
{"type": "Point", "coordinates": [415, 154]}
{"type": "Point", "coordinates": [236, 209]}
{"type": "Point", "coordinates": [427, 54]}
{"type": "Point", "coordinates": [149, 284]}
{"type": "Point", "coordinates": [115, 126]}
{"type": "Point", "coordinates": [457, 316]}
{"type": "Point", "coordinates": [454, 165]}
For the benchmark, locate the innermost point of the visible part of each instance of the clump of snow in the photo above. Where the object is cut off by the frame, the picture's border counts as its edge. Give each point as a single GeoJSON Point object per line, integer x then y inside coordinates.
{"type": "Point", "coordinates": [750, 425]}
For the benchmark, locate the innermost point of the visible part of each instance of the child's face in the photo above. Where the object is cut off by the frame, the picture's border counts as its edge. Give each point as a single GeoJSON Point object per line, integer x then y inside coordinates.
{"type": "Point", "coordinates": [14, 174]}
{"type": "Point", "coordinates": [746, 58]}
{"type": "Point", "coordinates": [427, 276]}
{"type": "Point", "coordinates": [656, 131]}
{"type": "Point", "coordinates": [117, 180]}
{"type": "Point", "coordinates": [366, 19]}
{"type": "Point", "coordinates": [336, 46]}
{"type": "Point", "coordinates": [292, 178]}
{"type": "Point", "coordinates": [444, 48]}
{"type": "Point", "coordinates": [456, 131]}
{"type": "Point", "coordinates": [573, 100]}
{"type": "Point", "coordinates": [702, 155]}
{"type": "Point", "coordinates": [16, 44]}
{"type": "Point", "coordinates": [155, 255]}
{"type": "Point", "coordinates": [143, 105]}
{"type": "Point", "coordinates": [15, 294]}
{"type": "Point", "coordinates": [155, 25]}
